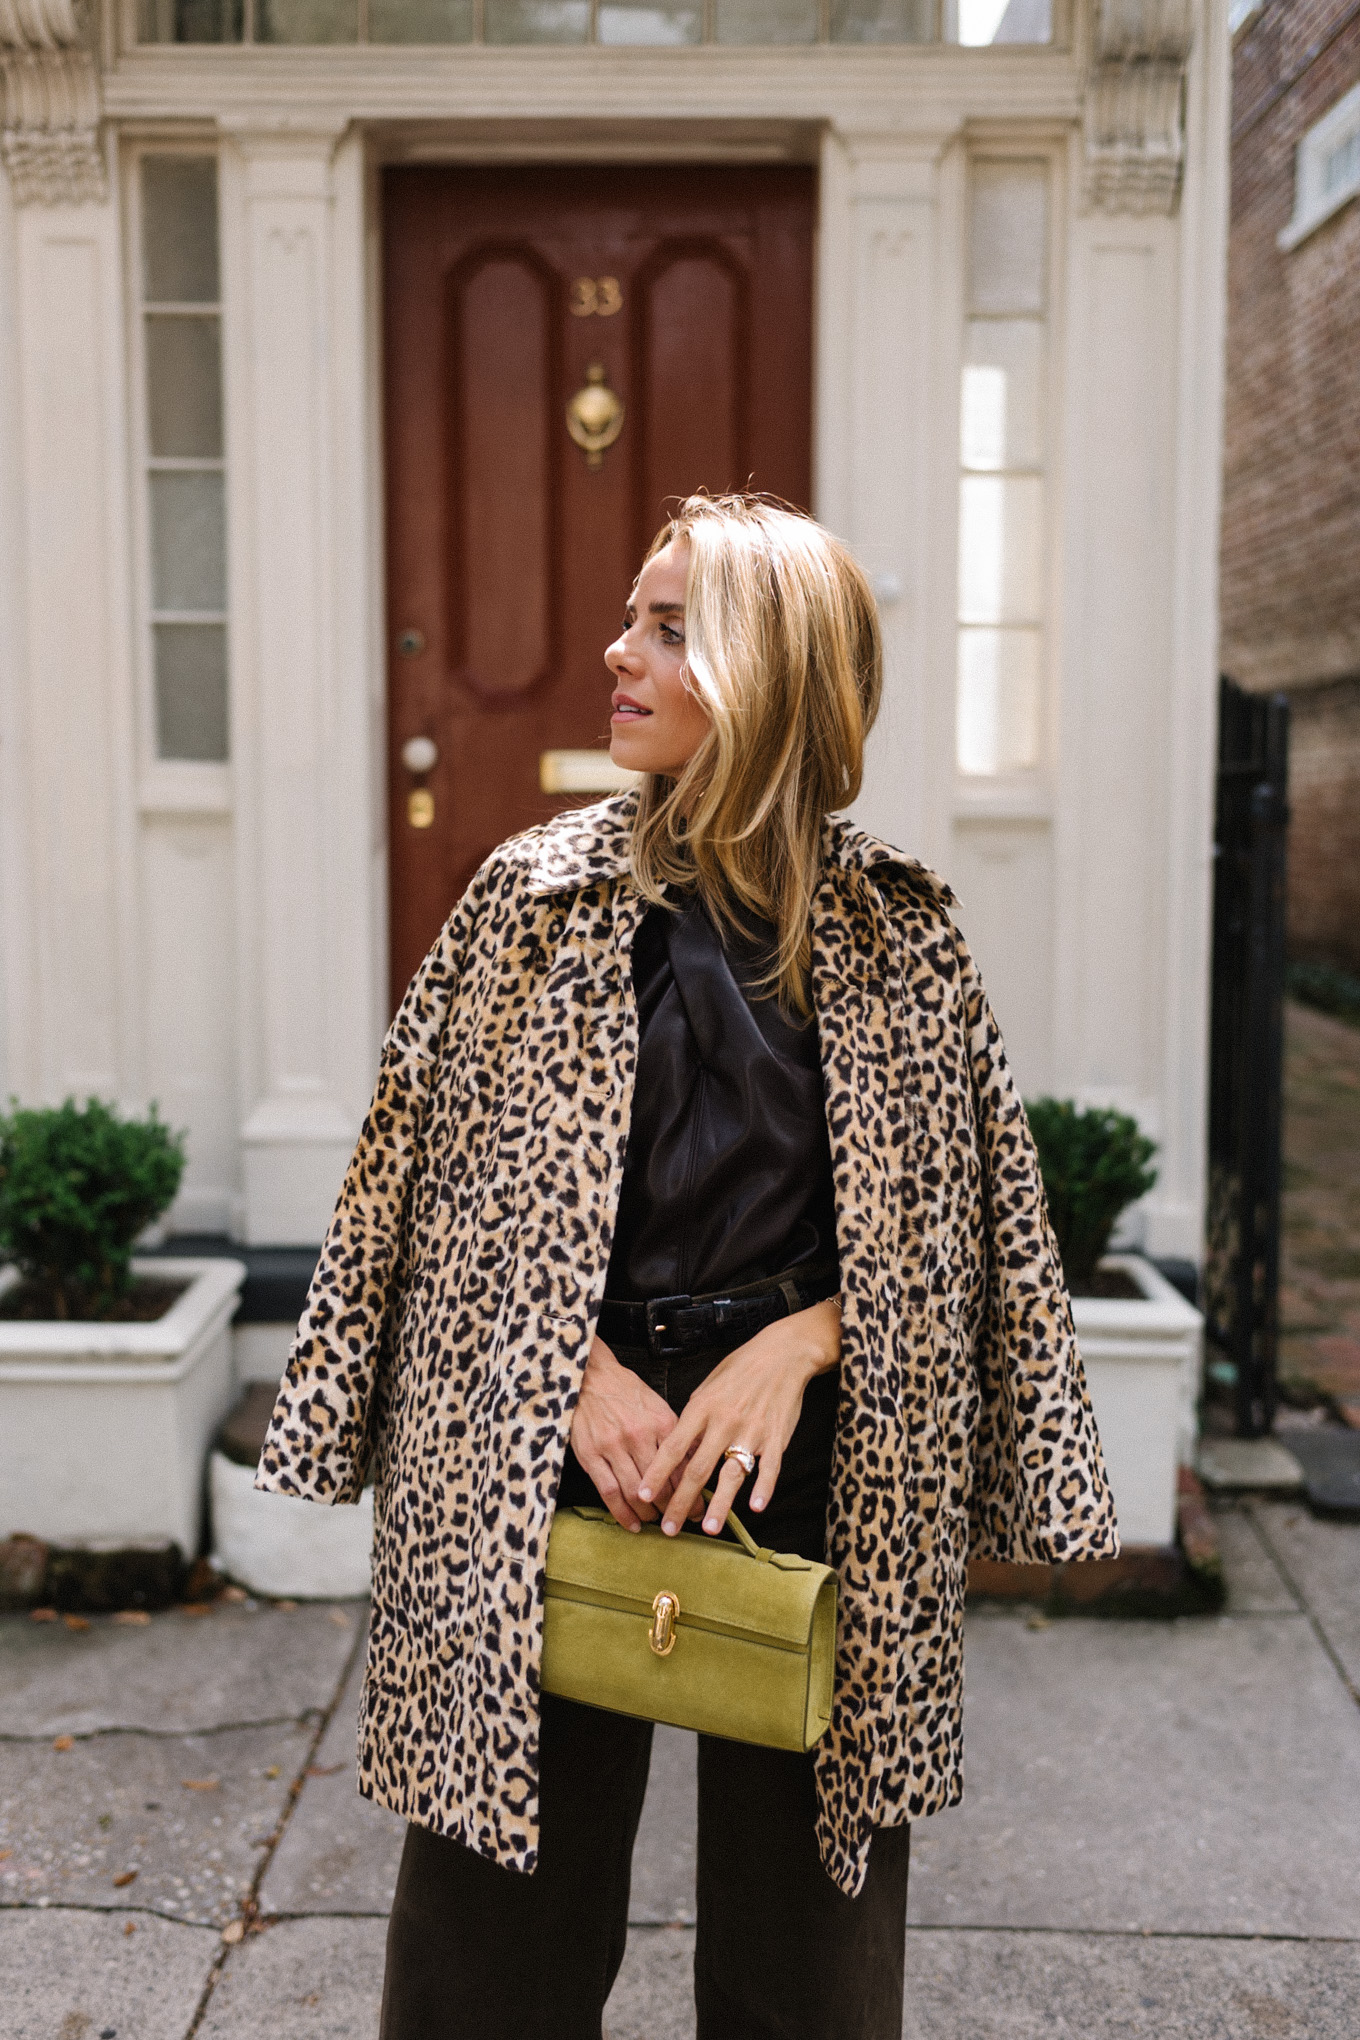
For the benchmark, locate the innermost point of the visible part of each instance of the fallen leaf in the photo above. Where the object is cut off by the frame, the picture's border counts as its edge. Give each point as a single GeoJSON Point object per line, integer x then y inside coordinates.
{"type": "Point", "coordinates": [339, 1618]}
{"type": "Point", "coordinates": [131, 1927]}
{"type": "Point", "coordinates": [1038, 1622]}
{"type": "Point", "coordinates": [124, 1878]}
{"type": "Point", "coordinates": [5, 1855]}
{"type": "Point", "coordinates": [273, 1771]}
{"type": "Point", "coordinates": [76, 1621]}
{"type": "Point", "coordinates": [323, 1770]}
{"type": "Point", "coordinates": [42, 1614]}
{"type": "Point", "coordinates": [195, 1607]}
{"type": "Point", "coordinates": [132, 1618]}
{"type": "Point", "coordinates": [235, 1595]}
{"type": "Point", "coordinates": [234, 1933]}
{"type": "Point", "coordinates": [288, 1607]}
{"type": "Point", "coordinates": [199, 1784]}
{"type": "Point", "coordinates": [64, 1742]}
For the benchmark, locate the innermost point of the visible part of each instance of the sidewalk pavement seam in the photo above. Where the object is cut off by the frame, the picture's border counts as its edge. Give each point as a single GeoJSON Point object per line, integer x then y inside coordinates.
{"type": "Point", "coordinates": [249, 1909]}
{"type": "Point", "coordinates": [308, 1715]}
{"type": "Point", "coordinates": [1315, 1621]}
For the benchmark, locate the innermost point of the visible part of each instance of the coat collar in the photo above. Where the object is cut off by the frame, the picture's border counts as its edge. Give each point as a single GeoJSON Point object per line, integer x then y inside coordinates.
{"type": "Point", "coordinates": [585, 845]}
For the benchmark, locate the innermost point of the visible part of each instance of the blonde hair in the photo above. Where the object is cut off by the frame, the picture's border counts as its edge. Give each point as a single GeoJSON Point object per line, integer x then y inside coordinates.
{"type": "Point", "coordinates": [784, 652]}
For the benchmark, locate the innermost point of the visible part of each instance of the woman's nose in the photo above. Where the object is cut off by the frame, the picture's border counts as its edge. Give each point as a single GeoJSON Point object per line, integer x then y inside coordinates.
{"type": "Point", "coordinates": [616, 655]}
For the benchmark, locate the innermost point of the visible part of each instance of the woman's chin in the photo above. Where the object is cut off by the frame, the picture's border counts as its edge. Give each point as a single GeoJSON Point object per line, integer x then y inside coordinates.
{"type": "Point", "coordinates": [630, 749]}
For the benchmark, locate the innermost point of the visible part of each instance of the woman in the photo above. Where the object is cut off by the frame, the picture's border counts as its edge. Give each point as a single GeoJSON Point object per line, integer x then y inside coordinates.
{"type": "Point", "coordinates": [694, 1160]}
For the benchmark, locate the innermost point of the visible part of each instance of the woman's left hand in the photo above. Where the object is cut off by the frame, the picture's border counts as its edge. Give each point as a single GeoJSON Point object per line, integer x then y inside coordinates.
{"type": "Point", "coordinates": [753, 1398]}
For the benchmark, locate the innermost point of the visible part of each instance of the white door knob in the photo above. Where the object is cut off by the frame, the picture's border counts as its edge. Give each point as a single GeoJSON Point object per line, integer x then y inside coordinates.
{"type": "Point", "coordinates": [418, 754]}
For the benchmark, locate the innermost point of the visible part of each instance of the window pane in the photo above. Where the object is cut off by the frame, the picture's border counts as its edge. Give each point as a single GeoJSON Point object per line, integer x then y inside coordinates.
{"type": "Point", "coordinates": [307, 21]}
{"type": "Point", "coordinates": [999, 21]}
{"type": "Point", "coordinates": [636, 21]}
{"type": "Point", "coordinates": [419, 21]}
{"type": "Point", "coordinates": [998, 700]}
{"type": "Point", "coordinates": [1000, 536]}
{"type": "Point", "coordinates": [1001, 414]}
{"type": "Point", "coordinates": [191, 691]}
{"type": "Point", "coordinates": [188, 542]}
{"type": "Point", "coordinates": [537, 21]}
{"type": "Point", "coordinates": [882, 21]}
{"type": "Point", "coordinates": [184, 387]}
{"type": "Point", "coordinates": [179, 229]}
{"type": "Point", "coordinates": [767, 21]}
{"type": "Point", "coordinates": [189, 21]}
{"type": "Point", "coordinates": [1008, 242]}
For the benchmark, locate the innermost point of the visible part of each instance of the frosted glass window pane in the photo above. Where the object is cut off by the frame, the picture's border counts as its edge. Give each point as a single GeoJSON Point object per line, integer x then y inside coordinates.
{"type": "Point", "coordinates": [191, 691]}
{"type": "Point", "coordinates": [189, 21]}
{"type": "Point", "coordinates": [998, 701]}
{"type": "Point", "coordinates": [179, 229]}
{"type": "Point", "coordinates": [1008, 242]}
{"type": "Point", "coordinates": [184, 387]}
{"type": "Point", "coordinates": [882, 21]}
{"type": "Point", "coordinates": [975, 22]}
{"type": "Point", "coordinates": [537, 21]}
{"type": "Point", "coordinates": [419, 21]}
{"type": "Point", "coordinates": [188, 542]}
{"type": "Point", "coordinates": [307, 21]}
{"type": "Point", "coordinates": [1001, 412]}
{"type": "Point", "coordinates": [767, 21]}
{"type": "Point", "coordinates": [1000, 545]}
{"type": "Point", "coordinates": [635, 21]}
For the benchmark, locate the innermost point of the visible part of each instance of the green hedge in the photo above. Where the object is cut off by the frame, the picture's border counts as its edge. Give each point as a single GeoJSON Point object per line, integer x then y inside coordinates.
{"type": "Point", "coordinates": [1095, 1163]}
{"type": "Point", "coordinates": [77, 1185]}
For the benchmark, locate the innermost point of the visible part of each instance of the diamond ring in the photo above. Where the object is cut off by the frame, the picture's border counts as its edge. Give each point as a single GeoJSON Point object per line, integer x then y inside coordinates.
{"type": "Point", "coordinates": [745, 1460]}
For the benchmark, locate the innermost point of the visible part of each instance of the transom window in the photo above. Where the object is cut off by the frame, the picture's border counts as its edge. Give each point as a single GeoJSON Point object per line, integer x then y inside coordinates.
{"type": "Point", "coordinates": [658, 23]}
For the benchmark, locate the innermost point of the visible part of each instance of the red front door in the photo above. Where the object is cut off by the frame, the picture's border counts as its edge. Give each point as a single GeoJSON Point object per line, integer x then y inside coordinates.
{"type": "Point", "coordinates": [683, 296]}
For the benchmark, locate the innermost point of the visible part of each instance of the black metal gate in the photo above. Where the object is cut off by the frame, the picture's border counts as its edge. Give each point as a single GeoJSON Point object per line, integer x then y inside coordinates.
{"type": "Point", "coordinates": [1246, 1046]}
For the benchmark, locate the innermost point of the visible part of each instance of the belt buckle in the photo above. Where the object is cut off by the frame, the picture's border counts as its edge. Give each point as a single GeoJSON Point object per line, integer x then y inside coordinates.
{"type": "Point", "coordinates": [662, 1337]}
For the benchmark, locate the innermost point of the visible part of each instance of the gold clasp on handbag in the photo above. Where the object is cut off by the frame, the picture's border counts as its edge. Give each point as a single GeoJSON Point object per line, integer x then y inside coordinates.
{"type": "Point", "coordinates": [665, 1614]}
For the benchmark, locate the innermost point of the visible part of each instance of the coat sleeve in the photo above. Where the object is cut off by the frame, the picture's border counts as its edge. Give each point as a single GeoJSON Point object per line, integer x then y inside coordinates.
{"type": "Point", "coordinates": [321, 1434]}
{"type": "Point", "coordinates": [1040, 1492]}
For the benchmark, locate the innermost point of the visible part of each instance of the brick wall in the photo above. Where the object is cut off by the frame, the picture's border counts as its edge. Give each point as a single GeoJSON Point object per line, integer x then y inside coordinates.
{"type": "Point", "coordinates": [1291, 508]}
{"type": "Point", "coordinates": [1291, 487]}
{"type": "Point", "coordinates": [1324, 832]}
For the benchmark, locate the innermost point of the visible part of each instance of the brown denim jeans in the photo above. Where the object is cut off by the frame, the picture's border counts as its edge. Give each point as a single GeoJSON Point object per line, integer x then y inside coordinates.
{"type": "Point", "coordinates": [477, 1952]}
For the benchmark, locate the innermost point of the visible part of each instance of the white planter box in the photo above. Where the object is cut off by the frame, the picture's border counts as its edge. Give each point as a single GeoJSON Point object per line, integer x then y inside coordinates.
{"type": "Point", "coordinates": [1142, 1361]}
{"type": "Point", "coordinates": [276, 1544]}
{"type": "Point", "coordinates": [105, 1428]}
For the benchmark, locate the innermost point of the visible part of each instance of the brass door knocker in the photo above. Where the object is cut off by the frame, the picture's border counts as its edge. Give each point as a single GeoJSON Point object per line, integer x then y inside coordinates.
{"type": "Point", "coordinates": [595, 416]}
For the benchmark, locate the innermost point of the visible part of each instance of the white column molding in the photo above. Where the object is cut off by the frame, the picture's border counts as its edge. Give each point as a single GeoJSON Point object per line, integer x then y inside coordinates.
{"type": "Point", "coordinates": [293, 288]}
{"type": "Point", "coordinates": [49, 96]}
{"type": "Point", "coordinates": [1133, 122]}
{"type": "Point", "coordinates": [67, 700]}
{"type": "Point", "coordinates": [880, 468]}
{"type": "Point", "coordinates": [1175, 1217]}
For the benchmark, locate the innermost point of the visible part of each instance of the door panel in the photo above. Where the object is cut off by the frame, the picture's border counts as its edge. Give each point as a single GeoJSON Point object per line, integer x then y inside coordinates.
{"type": "Point", "coordinates": [510, 549]}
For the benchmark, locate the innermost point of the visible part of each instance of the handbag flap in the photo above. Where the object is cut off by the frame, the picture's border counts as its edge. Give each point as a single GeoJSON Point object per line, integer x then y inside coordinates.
{"type": "Point", "coordinates": [716, 1583]}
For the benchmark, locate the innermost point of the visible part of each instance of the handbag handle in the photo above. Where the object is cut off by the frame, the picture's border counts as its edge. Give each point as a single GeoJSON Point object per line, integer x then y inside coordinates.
{"type": "Point", "coordinates": [738, 1528]}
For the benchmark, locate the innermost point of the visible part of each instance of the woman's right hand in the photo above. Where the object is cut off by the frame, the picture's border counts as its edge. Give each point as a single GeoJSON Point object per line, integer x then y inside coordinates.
{"type": "Point", "coordinates": [616, 1432]}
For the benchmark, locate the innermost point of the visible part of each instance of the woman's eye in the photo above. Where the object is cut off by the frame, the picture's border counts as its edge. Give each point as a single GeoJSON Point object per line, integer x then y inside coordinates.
{"type": "Point", "coordinates": [670, 635]}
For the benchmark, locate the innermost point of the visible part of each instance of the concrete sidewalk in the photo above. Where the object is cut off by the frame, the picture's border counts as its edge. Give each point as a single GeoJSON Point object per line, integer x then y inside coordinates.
{"type": "Point", "coordinates": [1161, 1835]}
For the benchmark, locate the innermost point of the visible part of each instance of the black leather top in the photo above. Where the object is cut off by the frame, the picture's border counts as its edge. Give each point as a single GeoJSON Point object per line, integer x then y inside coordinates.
{"type": "Point", "coordinates": [727, 1177]}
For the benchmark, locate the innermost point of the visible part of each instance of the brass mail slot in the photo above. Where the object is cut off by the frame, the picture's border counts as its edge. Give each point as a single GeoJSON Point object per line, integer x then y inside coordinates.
{"type": "Point", "coordinates": [582, 772]}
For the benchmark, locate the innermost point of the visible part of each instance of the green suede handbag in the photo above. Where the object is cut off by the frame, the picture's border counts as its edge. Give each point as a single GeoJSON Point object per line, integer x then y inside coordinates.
{"type": "Point", "coordinates": [725, 1638]}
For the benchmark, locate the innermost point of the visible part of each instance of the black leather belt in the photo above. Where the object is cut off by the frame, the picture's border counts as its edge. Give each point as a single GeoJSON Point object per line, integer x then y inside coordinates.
{"type": "Point", "coordinates": [671, 1326]}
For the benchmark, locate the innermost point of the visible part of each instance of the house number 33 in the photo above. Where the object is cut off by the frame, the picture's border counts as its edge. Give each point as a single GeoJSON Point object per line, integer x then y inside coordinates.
{"type": "Point", "coordinates": [597, 297]}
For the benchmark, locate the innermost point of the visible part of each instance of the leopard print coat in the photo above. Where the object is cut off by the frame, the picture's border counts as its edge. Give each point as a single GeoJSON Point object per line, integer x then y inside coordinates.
{"type": "Point", "coordinates": [452, 1310]}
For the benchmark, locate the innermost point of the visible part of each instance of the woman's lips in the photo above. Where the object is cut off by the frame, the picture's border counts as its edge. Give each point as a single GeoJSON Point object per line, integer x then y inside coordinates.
{"type": "Point", "coordinates": [628, 711]}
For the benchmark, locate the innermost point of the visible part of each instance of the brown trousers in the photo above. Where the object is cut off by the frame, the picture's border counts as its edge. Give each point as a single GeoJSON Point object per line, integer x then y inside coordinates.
{"type": "Point", "coordinates": [477, 1952]}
